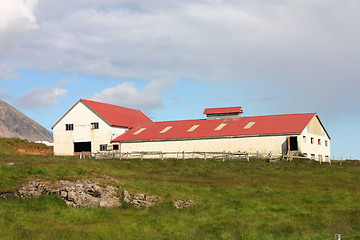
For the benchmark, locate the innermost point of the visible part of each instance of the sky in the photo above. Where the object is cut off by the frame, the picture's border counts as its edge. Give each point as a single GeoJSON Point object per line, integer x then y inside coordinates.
{"type": "Point", "coordinates": [172, 59]}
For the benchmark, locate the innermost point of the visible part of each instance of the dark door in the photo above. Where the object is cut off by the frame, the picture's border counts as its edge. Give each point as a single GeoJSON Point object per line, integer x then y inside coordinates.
{"type": "Point", "coordinates": [293, 144]}
{"type": "Point", "coordinates": [82, 147]}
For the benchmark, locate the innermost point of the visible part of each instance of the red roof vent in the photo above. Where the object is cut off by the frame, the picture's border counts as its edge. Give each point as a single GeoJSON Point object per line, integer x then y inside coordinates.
{"type": "Point", "coordinates": [226, 112]}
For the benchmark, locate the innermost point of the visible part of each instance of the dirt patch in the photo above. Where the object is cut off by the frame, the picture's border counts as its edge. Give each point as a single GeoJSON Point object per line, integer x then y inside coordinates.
{"type": "Point", "coordinates": [35, 151]}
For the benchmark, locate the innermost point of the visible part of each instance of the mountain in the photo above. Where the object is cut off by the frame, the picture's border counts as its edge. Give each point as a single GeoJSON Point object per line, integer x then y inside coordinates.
{"type": "Point", "coordinates": [15, 124]}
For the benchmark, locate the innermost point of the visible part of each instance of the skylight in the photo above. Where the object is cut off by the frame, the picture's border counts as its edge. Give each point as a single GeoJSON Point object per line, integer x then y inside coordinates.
{"type": "Point", "coordinates": [249, 125]}
{"type": "Point", "coordinates": [220, 126]}
{"type": "Point", "coordinates": [166, 129]}
{"type": "Point", "coordinates": [139, 131]}
{"type": "Point", "coordinates": [193, 128]}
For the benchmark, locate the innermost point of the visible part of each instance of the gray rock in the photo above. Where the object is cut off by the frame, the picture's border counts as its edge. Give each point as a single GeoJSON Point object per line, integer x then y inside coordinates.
{"type": "Point", "coordinates": [139, 200]}
{"type": "Point", "coordinates": [184, 203]}
{"type": "Point", "coordinates": [81, 193]}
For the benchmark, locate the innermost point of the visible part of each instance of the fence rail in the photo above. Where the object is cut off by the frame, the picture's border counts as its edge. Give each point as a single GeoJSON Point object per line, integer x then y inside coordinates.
{"type": "Point", "coordinates": [194, 155]}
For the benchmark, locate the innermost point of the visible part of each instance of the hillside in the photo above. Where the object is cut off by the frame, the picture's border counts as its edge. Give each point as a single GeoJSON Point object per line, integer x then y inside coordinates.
{"type": "Point", "coordinates": [15, 124]}
{"type": "Point", "coordinates": [234, 199]}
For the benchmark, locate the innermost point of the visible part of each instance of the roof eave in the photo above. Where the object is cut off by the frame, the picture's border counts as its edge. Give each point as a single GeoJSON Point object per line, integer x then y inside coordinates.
{"type": "Point", "coordinates": [210, 137]}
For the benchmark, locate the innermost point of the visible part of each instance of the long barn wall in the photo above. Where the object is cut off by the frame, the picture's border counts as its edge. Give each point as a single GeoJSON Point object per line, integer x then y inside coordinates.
{"type": "Point", "coordinates": [266, 144]}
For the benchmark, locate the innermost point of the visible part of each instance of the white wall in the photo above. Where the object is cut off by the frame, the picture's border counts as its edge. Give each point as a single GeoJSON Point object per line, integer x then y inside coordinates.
{"type": "Point", "coordinates": [263, 144]}
{"type": "Point", "coordinates": [82, 117]}
{"type": "Point", "coordinates": [314, 148]}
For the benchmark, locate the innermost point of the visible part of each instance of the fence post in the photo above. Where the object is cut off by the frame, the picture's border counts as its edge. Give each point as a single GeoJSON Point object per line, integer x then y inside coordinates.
{"type": "Point", "coordinates": [183, 155]}
{"type": "Point", "coordinates": [337, 237]}
{"type": "Point", "coordinates": [223, 156]}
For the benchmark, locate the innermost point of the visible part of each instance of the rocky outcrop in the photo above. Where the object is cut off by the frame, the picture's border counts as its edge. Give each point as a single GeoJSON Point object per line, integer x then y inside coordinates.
{"type": "Point", "coordinates": [139, 200]}
{"type": "Point", "coordinates": [85, 193]}
{"type": "Point", "coordinates": [79, 193]}
{"type": "Point", "coordinates": [184, 203]}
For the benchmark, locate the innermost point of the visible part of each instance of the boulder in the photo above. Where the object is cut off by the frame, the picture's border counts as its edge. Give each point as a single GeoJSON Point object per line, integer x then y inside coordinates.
{"type": "Point", "coordinates": [184, 203]}
{"type": "Point", "coordinates": [79, 193]}
{"type": "Point", "coordinates": [139, 200]}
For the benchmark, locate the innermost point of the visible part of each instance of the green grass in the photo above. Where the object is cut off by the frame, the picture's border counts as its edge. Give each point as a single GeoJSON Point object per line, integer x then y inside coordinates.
{"type": "Point", "coordinates": [235, 199]}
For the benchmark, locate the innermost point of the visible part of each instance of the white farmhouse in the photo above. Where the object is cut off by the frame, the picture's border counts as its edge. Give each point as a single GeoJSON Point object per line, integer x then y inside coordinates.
{"type": "Point", "coordinates": [90, 126]}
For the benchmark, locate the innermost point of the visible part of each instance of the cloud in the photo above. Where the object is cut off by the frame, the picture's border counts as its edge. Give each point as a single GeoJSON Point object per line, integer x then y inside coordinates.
{"type": "Point", "coordinates": [16, 18]}
{"type": "Point", "coordinates": [127, 95]}
{"type": "Point", "coordinates": [43, 97]}
{"type": "Point", "coordinates": [310, 47]}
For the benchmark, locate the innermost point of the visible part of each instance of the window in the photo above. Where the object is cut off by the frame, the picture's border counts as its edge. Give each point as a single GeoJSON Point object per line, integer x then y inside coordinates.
{"type": "Point", "coordinates": [220, 126]}
{"type": "Point", "coordinates": [249, 125]}
{"type": "Point", "coordinates": [320, 157]}
{"type": "Point", "coordinates": [139, 131]}
{"type": "Point", "coordinates": [304, 139]}
{"type": "Point", "coordinates": [312, 140]}
{"type": "Point", "coordinates": [193, 128]}
{"type": "Point", "coordinates": [115, 147]}
{"type": "Point", "coordinates": [166, 129]}
{"type": "Point", "coordinates": [305, 154]}
{"type": "Point", "coordinates": [103, 147]}
{"type": "Point", "coordinates": [326, 143]}
{"type": "Point", "coordinates": [313, 156]}
{"type": "Point", "coordinates": [69, 127]}
{"type": "Point", "coordinates": [319, 141]}
{"type": "Point", "coordinates": [95, 125]}
{"type": "Point", "coordinates": [327, 159]}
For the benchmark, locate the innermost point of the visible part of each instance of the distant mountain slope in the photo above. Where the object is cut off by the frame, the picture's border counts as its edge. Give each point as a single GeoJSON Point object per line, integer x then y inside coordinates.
{"type": "Point", "coordinates": [15, 124]}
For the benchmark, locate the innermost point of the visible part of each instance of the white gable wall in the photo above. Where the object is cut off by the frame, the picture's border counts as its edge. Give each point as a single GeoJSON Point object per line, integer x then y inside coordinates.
{"type": "Point", "coordinates": [314, 142]}
{"type": "Point", "coordinates": [82, 117]}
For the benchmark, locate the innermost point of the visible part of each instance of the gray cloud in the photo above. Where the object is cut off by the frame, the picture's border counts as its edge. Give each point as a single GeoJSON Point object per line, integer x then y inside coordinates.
{"type": "Point", "coordinates": [127, 95]}
{"type": "Point", "coordinates": [310, 47]}
{"type": "Point", "coordinates": [43, 97]}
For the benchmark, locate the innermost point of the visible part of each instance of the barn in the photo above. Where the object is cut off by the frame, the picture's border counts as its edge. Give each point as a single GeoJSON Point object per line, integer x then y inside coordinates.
{"type": "Point", "coordinates": [94, 127]}
{"type": "Point", "coordinates": [225, 130]}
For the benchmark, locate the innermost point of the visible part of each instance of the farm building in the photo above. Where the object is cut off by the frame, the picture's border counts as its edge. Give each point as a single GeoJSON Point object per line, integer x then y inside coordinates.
{"type": "Point", "coordinates": [223, 130]}
{"type": "Point", "coordinates": [89, 126]}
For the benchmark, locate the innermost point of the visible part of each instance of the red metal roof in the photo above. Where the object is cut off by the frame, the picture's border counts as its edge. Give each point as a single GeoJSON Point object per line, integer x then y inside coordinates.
{"type": "Point", "coordinates": [245, 126]}
{"type": "Point", "coordinates": [116, 115]}
{"type": "Point", "coordinates": [223, 110]}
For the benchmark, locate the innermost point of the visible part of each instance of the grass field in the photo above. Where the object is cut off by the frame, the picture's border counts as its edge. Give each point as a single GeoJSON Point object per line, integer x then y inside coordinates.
{"type": "Point", "coordinates": [235, 199]}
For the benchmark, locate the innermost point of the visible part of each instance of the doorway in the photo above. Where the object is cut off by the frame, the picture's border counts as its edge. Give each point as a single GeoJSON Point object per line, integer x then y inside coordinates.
{"type": "Point", "coordinates": [293, 144]}
{"type": "Point", "coordinates": [82, 147]}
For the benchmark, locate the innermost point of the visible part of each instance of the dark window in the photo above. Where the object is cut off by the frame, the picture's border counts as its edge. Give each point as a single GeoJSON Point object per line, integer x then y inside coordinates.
{"type": "Point", "coordinates": [95, 125]}
{"type": "Point", "coordinates": [326, 143]}
{"type": "Point", "coordinates": [319, 141]}
{"type": "Point", "coordinates": [82, 146]}
{"type": "Point", "coordinates": [103, 147]}
{"type": "Point", "coordinates": [69, 127]}
{"type": "Point", "coordinates": [115, 147]}
{"type": "Point", "coordinates": [312, 140]}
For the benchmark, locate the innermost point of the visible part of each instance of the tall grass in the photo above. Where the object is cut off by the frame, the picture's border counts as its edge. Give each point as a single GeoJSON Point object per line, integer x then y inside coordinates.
{"type": "Point", "coordinates": [235, 199]}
